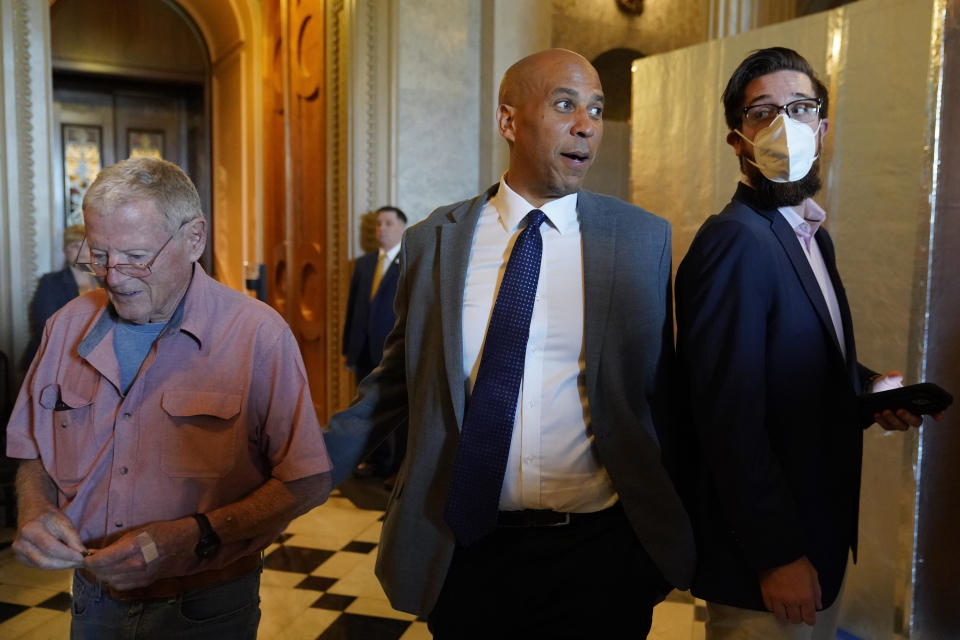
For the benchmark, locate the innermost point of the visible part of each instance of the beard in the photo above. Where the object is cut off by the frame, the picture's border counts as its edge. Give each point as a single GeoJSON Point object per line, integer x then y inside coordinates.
{"type": "Point", "coordinates": [773, 195]}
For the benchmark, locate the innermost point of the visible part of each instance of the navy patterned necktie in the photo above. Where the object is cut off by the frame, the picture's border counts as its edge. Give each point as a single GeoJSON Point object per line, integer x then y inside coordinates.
{"type": "Point", "coordinates": [474, 498]}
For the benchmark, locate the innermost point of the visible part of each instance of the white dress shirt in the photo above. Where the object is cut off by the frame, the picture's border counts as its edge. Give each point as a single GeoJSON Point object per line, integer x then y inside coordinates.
{"type": "Point", "coordinates": [796, 217]}
{"type": "Point", "coordinates": [391, 255]}
{"type": "Point", "coordinates": [552, 463]}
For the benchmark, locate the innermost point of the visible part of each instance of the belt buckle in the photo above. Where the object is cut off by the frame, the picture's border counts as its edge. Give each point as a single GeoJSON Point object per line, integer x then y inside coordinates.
{"type": "Point", "coordinates": [562, 523]}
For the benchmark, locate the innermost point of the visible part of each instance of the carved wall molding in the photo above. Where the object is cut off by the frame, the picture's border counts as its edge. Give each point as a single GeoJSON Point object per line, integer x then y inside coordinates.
{"type": "Point", "coordinates": [370, 33]}
{"type": "Point", "coordinates": [23, 28]}
{"type": "Point", "coordinates": [30, 228]}
{"type": "Point", "coordinates": [340, 386]}
{"type": "Point", "coordinates": [371, 87]}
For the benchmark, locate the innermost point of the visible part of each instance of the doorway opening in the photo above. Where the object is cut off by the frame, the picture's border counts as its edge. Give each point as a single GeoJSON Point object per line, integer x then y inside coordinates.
{"type": "Point", "coordinates": [129, 78]}
{"type": "Point", "coordinates": [101, 120]}
{"type": "Point", "coordinates": [611, 170]}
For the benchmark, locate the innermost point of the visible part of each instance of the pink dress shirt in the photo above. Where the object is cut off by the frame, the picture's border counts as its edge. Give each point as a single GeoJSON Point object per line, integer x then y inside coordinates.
{"type": "Point", "coordinates": [220, 405]}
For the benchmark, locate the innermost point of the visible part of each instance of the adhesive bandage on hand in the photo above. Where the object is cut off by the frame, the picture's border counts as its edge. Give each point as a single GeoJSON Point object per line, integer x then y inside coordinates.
{"type": "Point", "coordinates": [147, 547]}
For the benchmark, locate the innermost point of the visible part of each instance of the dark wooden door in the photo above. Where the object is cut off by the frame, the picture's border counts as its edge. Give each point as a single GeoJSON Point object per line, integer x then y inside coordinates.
{"type": "Point", "coordinates": [100, 121]}
{"type": "Point", "coordinates": [295, 182]}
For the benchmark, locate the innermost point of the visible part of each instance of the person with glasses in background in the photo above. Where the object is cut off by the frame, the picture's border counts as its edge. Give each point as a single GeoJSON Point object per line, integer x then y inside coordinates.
{"type": "Point", "coordinates": [165, 427]}
{"type": "Point", "coordinates": [57, 288]}
{"type": "Point", "coordinates": [766, 349]}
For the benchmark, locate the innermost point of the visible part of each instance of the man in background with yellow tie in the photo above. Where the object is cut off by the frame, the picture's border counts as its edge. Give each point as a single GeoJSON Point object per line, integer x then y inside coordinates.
{"type": "Point", "coordinates": [370, 306]}
{"type": "Point", "coordinates": [370, 318]}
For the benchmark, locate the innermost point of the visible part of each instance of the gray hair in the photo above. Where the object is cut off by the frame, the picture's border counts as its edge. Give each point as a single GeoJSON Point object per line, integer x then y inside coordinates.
{"type": "Point", "coordinates": [146, 179]}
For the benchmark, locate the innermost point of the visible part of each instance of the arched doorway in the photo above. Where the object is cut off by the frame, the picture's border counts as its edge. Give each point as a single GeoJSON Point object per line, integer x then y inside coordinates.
{"type": "Point", "coordinates": [120, 90]}
{"type": "Point", "coordinates": [297, 238]}
{"type": "Point", "coordinates": [278, 112]}
{"type": "Point", "coordinates": [231, 31]}
{"type": "Point", "coordinates": [228, 32]}
{"type": "Point", "coordinates": [611, 171]}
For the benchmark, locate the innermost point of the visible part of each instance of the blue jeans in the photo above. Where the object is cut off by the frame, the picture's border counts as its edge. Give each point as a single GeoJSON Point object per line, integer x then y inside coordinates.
{"type": "Point", "coordinates": [225, 611]}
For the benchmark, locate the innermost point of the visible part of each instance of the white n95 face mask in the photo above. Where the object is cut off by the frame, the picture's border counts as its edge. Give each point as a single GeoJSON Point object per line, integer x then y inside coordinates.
{"type": "Point", "coordinates": [785, 150]}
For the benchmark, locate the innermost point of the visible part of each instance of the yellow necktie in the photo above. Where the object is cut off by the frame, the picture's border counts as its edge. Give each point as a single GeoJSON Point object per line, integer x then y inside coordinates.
{"type": "Point", "coordinates": [377, 275]}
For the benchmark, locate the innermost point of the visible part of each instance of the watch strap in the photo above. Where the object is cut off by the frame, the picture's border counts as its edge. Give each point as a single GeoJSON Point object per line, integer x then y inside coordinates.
{"type": "Point", "coordinates": [204, 523]}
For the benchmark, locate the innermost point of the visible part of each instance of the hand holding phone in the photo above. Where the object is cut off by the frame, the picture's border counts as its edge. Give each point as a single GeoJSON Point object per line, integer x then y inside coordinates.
{"type": "Point", "coordinates": [925, 398]}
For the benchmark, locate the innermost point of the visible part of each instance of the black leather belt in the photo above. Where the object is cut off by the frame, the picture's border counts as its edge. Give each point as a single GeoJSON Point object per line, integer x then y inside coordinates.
{"type": "Point", "coordinates": [545, 517]}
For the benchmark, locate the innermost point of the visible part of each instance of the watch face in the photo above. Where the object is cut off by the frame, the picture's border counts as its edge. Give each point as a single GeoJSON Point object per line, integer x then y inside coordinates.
{"type": "Point", "coordinates": [208, 546]}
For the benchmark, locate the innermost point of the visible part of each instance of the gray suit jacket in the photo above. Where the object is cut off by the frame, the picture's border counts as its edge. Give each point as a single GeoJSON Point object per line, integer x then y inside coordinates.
{"type": "Point", "coordinates": [629, 358]}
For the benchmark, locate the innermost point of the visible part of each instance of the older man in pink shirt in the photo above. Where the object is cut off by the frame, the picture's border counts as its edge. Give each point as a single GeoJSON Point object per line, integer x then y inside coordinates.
{"type": "Point", "coordinates": [165, 426]}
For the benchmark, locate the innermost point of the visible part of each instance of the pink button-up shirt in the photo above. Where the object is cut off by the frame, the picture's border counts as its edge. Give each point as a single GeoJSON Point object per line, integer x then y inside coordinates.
{"type": "Point", "coordinates": [220, 405]}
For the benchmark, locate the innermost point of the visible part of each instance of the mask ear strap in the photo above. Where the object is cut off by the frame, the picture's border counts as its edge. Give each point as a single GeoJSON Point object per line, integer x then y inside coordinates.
{"type": "Point", "coordinates": [743, 157]}
{"type": "Point", "coordinates": [737, 131]}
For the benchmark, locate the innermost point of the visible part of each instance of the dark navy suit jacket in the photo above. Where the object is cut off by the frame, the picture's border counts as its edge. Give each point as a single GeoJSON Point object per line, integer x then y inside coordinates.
{"type": "Point", "coordinates": [54, 290]}
{"type": "Point", "coordinates": [369, 321]}
{"type": "Point", "coordinates": [777, 440]}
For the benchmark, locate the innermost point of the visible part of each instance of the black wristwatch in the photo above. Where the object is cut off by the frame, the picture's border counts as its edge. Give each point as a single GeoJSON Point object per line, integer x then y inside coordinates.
{"type": "Point", "coordinates": [209, 542]}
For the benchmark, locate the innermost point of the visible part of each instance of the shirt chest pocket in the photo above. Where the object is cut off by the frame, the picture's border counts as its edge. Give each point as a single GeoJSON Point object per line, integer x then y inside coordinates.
{"type": "Point", "coordinates": [201, 438]}
{"type": "Point", "coordinates": [76, 441]}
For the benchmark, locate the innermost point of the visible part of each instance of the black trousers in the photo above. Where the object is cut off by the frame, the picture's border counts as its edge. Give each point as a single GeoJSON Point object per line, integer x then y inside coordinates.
{"type": "Point", "coordinates": [590, 579]}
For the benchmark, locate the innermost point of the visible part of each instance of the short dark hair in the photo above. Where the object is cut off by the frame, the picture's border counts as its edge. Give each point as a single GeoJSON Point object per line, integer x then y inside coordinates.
{"type": "Point", "coordinates": [400, 214]}
{"type": "Point", "coordinates": [760, 63]}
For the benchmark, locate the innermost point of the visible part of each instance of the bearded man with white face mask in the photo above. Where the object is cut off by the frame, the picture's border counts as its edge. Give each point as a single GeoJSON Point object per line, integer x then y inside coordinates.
{"type": "Point", "coordinates": [766, 349]}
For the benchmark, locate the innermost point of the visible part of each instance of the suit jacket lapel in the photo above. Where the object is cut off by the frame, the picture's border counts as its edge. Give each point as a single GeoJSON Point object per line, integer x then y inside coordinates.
{"type": "Point", "coordinates": [456, 238]}
{"type": "Point", "coordinates": [846, 319]}
{"type": "Point", "coordinates": [598, 233]}
{"type": "Point", "coordinates": [788, 239]}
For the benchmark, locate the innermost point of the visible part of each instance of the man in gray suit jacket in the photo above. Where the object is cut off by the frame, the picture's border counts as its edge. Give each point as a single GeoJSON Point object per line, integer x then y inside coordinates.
{"type": "Point", "coordinates": [588, 531]}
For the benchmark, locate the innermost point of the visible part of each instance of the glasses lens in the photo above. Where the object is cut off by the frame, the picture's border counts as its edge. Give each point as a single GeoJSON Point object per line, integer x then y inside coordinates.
{"type": "Point", "coordinates": [133, 270]}
{"type": "Point", "coordinates": [803, 110]}
{"type": "Point", "coordinates": [761, 113]}
{"type": "Point", "coordinates": [92, 268]}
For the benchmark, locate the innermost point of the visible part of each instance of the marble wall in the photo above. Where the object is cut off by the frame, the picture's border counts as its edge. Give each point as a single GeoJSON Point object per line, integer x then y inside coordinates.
{"type": "Point", "coordinates": [510, 31]}
{"type": "Point", "coordinates": [427, 75]}
{"type": "Point", "coordinates": [591, 27]}
{"type": "Point", "coordinates": [595, 27]}
{"type": "Point", "coordinates": [438, 110]}
{"type": "Point", "coordinates": [449, 58]}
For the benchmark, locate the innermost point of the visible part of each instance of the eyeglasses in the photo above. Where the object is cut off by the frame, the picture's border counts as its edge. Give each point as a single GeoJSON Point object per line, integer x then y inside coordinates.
{"type": "Point", "coordinates": [132, 269]}
{"type": "Point", "coordinates": [804, 110]}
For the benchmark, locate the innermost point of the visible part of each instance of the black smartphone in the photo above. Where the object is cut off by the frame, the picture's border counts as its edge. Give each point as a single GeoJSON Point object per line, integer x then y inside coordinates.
{"type": "Point", "coordinates": [924, 398]}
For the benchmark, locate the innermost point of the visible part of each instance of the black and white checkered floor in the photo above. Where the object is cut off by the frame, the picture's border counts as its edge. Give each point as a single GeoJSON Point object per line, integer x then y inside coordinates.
{"type": "Point", "coordinates": [318, 583]}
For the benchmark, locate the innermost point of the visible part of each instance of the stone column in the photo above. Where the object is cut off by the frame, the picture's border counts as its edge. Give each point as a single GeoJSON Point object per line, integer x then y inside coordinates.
{"type": "Point", "coordinates": [29, 231]}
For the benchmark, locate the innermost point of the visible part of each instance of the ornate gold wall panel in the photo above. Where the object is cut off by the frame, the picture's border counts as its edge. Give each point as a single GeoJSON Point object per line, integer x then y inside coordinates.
{"type": "Point", "coordinates": [340, 384]}
{"type": "Point", "coordinates": [231, 31]}
{"type": "Point", "coordinates": [274, 158]}
{"type": "Point", "coordinates": [295, 181]}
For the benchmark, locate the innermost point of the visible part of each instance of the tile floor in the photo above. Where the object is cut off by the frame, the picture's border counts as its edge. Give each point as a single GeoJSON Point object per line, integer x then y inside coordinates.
{"type": "Point", "coordinates": [317, 583]}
